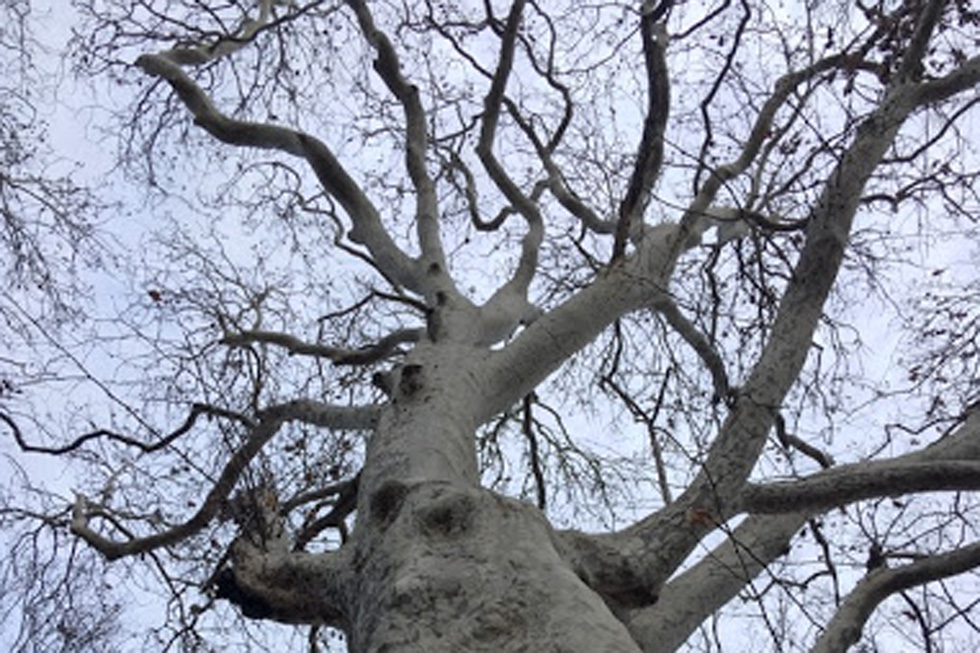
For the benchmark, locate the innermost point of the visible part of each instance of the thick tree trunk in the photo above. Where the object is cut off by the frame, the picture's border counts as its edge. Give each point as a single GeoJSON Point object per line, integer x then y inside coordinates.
{"type": "Point", "coordinates": [447, 568]}
{"type": "Point", "coordinates": [442, 564]}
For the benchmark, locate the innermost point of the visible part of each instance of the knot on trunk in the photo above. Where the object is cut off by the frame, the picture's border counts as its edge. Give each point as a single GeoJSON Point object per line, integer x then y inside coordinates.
{"type": "Point", "coordinates": [386, 502]}
{"type": "Point", "coordinates": [449, 514]}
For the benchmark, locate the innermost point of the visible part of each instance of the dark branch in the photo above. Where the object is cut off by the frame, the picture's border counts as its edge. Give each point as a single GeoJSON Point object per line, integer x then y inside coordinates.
{"type": "Point", "coordinates": [196, 411]}
{"type": "Point", "coordinates": [649, 156]}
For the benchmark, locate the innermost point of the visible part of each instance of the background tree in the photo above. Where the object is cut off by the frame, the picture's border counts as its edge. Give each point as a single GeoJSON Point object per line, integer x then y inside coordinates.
{"type": "Point", "coordinates": [517, 327]}
{"type": "Point", "coordinates": [49, 238]}
{"type": "Point", "coordinates": [46, 218]}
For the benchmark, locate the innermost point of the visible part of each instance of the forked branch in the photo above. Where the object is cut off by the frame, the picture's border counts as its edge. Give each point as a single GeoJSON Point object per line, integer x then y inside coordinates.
{"type": "Point", "coordinates": [368, 229]}
{"type": "Point", "coordinates": [262, 430]}
{"type": "Point", "coordinates": [416, 133]}
{"type": "Point", "coordinates": [686, 601]}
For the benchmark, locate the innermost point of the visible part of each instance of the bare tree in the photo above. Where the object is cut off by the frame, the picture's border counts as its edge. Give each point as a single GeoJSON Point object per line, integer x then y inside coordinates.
{"type": "Point", "coordinates": [48, 240]}
{"type": "Point", "coordinates": [444, 290]}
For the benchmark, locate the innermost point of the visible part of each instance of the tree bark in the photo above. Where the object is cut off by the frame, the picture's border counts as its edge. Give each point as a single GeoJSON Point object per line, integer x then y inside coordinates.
{"type": "Point", "coordinates": [442, 564]}
{"type": "Point", "coordinates": [448, 568]}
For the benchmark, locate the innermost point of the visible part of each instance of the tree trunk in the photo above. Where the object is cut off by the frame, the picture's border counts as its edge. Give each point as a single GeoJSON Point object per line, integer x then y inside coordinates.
{"type": "Point", "coordinates": [442, 564]}
{"type": "Point", "coordinates": [449, 568]}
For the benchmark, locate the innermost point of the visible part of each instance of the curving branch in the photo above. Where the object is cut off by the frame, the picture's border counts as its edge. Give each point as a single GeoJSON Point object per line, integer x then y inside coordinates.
{"type": "Point", "coordinates": [845, 628]}
{"type": "Point", "coordinates": [147, 447]}
{"type": "Point", "coordinates": [650, 154]}
{"type": "Point", "coordinates": [367, 227]}
{"type": "Point", "coordinates": [338, 355]}
{"type": "Point", "coordinates": [790, 441]}
{"type": "Point", "coordinates": [699, 343]}
{"type": "Point", "coordinates": [492, 105]}
{"type": "Point", "coordinates": [735, 450]}
{"type": "Point", "coordinates": [556, 182]}
{"type": "Point", "coordinates": [416, 135]}
{"type": "Point", "coordinates": [261, 431]}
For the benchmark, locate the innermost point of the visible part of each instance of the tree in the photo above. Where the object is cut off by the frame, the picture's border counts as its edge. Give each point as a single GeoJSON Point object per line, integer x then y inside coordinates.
{"type": "Point", "coordinates": [372, 426]}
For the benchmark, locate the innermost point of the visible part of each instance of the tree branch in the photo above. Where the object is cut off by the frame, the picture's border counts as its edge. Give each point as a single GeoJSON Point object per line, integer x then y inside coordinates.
{"type": "Point", "coordinates": [650, 153]}
{"type": "Point", "coordinates": [416, 138]}
{"type": "Point", "coordinates": [698, 342]}
{"type": "Point", "coordinates": [492, 104]}
{"type": "Point", "coordinates": [344, 504]}
{"type": "Point", "coordinates": [709, 97]}
{"type": "Point", "coordinates": [196, 411]}
{"type": "Point", "coordinates": [511, 298]}
{"type": "Point", "coordinates": [261, 431]}
{"type": "Point", "coordinates": [338, 355]}
{"type": "Point", "coordinates": [330, 416]}
{"type": "Point", "coordinates": [911, 67]}
{"type": "Point", "coordinates": [790, 441]}
{"type": "Point", "coordinates": [702, 590]}
{"type": "Point", "coordinates": [368, 229]}
{"type": "Point", "coordinates": [963, 78]}
{"type": "Point", "coordinates": [289, 587]}
{"type": "Point", "coordinates": [200, 53]}
{"type": "Point", "coordinates": [849, 483]}
{"type": "Point", "coordinates": [556, 182]}
{"type": "Point", "coordinates": [564, 330]}
{"type": "Point", "coordinates": [845, 628]}
{"type": "Point", "coordinates": [952, 463]}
